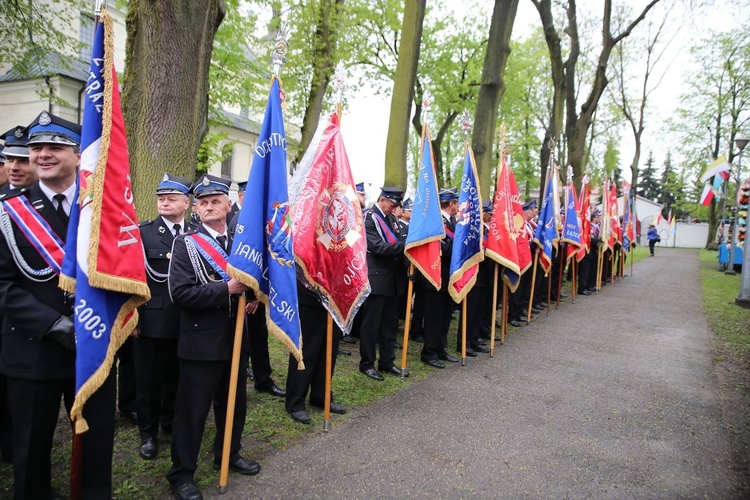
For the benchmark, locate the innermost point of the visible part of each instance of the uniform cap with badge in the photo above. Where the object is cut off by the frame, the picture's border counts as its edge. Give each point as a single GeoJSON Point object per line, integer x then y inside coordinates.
{"type": "Point", "coordinates": [208, 185]}
{"type": "Point", "coordinates": [488, 207]}
{"type": "Point", "coordinates": [448, 194]}
{"type": "Point", "coordinates": [51, 129]}
{"type": "Point", "coordinates": [393, 194]}
{"type": "Point", "coordinates": [15, 142]}
{"type": "Point", "coordinates": [242, 186]}
{"type": "Point", "coordinates": [408, 204]}
{"type": "Point", "coordinates": [171, 184]}
{"type": "Point", "coordinates": [529, 205]}
{"type": "Point", "coordinates": [360, 188]}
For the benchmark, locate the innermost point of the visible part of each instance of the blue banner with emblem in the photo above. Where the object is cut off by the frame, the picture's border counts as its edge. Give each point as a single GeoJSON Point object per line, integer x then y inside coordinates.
{"type": "Point", "coordinates": [547, 235]}
{"type": "Point", "coordinates": [262, 255]}
{"type": "Point", "coordinates": [467, 240]}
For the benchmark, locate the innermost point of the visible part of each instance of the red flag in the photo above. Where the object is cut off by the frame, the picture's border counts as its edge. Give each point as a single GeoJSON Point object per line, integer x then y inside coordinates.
{"type": "Point", "coordinates": [329, 242]}
{"type": "Point", "coordinates": [614, 215]}
{"type": "Point", "coordinates": [584, 203]}
{"type": "Point", "coordinates": [506, 242]}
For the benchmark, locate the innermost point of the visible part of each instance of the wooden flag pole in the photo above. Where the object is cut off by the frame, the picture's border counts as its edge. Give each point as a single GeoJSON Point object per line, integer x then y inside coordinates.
{"type": "Point", "coordinates": [504, 326]}
{"type": "Point", "coordinates": [232, 396]}
{"type": "Point", "coordinates": [562, 271]}
{"type": "Point", "coordinates": [533, 282]}
{"type": "Point", "coordinates": [599, 265]}
{"type": "Point", "coordinates": [632, 254]}
{"type": "Point", "coordinates": [463, 332]}
{"type": "Point", "coordinates": [493, 321]}
{"type": "Point", "coordinates": [612, 266]}
{"type": "Point", "coordinates": [407, 321]}
{"type": "Point", "coordinates": [329, 370]}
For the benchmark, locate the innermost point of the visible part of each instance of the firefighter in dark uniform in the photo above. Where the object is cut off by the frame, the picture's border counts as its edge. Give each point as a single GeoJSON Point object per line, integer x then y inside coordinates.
{"type": "Point", "coordinates": [436, 325]}
{"type": "Point", "coordinates": [313, 320]}
{"type": "Point", "coordinates": [155, 345]}
{"type": "Point", "coordinates": [39, 347]}
{"type": "Point", "coordinates": [23, 175]}
{"type": "Point", "coordinates": [385, 268]}
{"type": "Point", "coordinates": [206, 297]}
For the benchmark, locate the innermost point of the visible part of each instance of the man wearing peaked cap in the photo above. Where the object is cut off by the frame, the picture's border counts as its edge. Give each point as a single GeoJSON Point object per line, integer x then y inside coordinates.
{"type": "Point", "coordinates": [385, 269]}
{"type": "Point", "coordinates": [155, 344]}
{"type": "Point", "coordinates": [207, 301]}
{"type": "Point", "coordinates": [38, 328]}
{"type": "Point", "coordinates": [231, 218]}
{"type": "Point", "coordinates": [436, 325]}
{"type": "Point", "coordinates": [20, 173]}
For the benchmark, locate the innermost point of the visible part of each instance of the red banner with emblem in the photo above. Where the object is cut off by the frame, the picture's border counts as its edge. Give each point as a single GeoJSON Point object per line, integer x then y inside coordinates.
{"type": "Point", "coordinates": [329, 241]}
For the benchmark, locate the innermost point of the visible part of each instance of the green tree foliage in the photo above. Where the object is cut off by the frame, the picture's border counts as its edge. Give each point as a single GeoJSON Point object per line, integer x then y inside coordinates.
{"type": "Point", "coordinates": [716, 109]}
{"type": "Point", "coordinates": [648, 186]}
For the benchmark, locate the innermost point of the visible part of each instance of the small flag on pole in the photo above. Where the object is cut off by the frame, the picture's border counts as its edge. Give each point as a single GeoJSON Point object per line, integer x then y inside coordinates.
{"type": "Point", "coordinates": [103, 263]}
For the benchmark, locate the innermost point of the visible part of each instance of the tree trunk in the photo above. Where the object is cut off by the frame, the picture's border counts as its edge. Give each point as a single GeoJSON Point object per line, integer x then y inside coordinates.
{"type": "Point", "coordinates": [492, 89]}
{"type": "Point", "coordinates": [323, 68]}
{"type": "Point", "coordinates": [397, 143]}
{"type": "Point", "coordinates": [165, 89]}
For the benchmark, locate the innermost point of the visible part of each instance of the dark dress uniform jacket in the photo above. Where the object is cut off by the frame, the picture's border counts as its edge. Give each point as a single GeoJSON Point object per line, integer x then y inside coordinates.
{"type": "Point", "coordinates": [159, 317]}
{"type": "Point", "coordinates": [385, 264]}
{"type": "Point", "coordinates": [30, 308]}
{"type": "Point", "coordinates": [207, 312]}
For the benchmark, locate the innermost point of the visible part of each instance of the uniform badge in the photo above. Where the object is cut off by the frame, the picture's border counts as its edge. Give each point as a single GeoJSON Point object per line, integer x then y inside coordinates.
{"type": "Point", "coordinates": [18, 133]}
{"type": "Point", "coordinates": [169, 255]}
{"type": "Point", "coordinates": [161, 230]}
{"type": "Point", "coordinates": [44, 118]}
{"type": "Point", "coordinates": [206, 181]}
{"type": "Point", "coordinates": [165, 178]}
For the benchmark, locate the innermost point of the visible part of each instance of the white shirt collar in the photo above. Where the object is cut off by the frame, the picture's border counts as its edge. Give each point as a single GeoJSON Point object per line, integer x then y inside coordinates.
{"type": "Point", "coordinates": [171, 224]}
{"type": "Point", "coordinates": [68, 193]}
{"type": "Point", "coordinates": [215, 234]}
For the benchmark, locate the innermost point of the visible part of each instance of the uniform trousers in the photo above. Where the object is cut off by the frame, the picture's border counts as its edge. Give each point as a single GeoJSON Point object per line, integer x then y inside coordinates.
{"type": "Point", "coordinates": [313, 377]}
{"type": "Point", "coordinates": [156, 373]}
{"type": "Point", "coordinates": [473, 320]}
{"type": "Point", "coordinates": [417, 315]}
{"type": "Point", "coordinates": [436, 323]}
{"type": "Point", "coordinates": [126, 378]}
{"type": "Point", "coordinates": [35, 411]}
{"type": "Point", "coordinates": [379, 325]}
{"type": "Point", "coordinates": [202, 383]}
{"type": "Point", "coordinates": [260, 359]}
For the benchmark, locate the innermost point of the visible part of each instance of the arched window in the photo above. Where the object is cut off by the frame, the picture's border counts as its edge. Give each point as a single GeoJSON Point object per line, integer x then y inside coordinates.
{"type": "Point", "coordinates": [227, 152]}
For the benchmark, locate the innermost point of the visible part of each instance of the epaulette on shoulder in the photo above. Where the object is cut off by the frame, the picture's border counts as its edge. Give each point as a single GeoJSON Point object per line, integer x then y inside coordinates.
{"type": "Point", "coordinates": [145, 223]}
{"type": "Point", "coordinates": [12, 193]}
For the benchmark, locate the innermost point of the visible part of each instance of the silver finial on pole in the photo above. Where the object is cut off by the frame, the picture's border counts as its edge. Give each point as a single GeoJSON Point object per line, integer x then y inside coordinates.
{"type": "Point", "coordinates": [98, 8]}
{"type": "Point", "coordinates": [570, 174]}
{"type": "Point", "coordinates": [278, 56]}
{"type": "Point", "coordinates": [466, 123]}
{"type": "Point", "coordinates": [339, 82]}
{"type": "Point", "coordinates": [426, 105]}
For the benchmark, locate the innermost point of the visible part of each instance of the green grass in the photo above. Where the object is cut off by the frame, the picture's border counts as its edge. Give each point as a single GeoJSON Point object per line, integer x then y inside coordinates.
{"type": "Point", "coordinates": [268, 428]}
{"type": "Point", "coordinates": [729, 322]}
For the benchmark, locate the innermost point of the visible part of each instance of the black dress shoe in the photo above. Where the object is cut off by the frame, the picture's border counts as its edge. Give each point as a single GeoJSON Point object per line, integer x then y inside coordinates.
{"type": "Point", "coordinates": [300, 416]}
{"type": "Point", "coordinates": [515, 323]}
{"type": "Point", "coordinates": [394, 370]}
{"type": "Point", "coordinates": [186, 491]}
{"type": "Point", "coordinates": [240, 465]}
{"type": "Point", "coordinates": [447, 357]}
{"type": "Point", "coordinates": [373, 374]}
{"type": "Point", "coordinates": [250, 373]}
{"type": "Point", "coordinates": [483, 341]}
{"type": "Point", "coordinates": [335, 408]}
{"type": "Point", "coordinates": [273, 390]}
{"type": "Point", "coordinates": [585, 292]}
{"type": "Point", "coordinates": [149, 449]}
{"type": "Point", "coordinates": [523, 319]}
{"type": "Point", "coordinates": [469, 352]}
{"type": "Point", "coordinates": [563, 296]}
{"type": "Point", "coordinates": [397, 345]}
{"type": "Point", "coordinates": [480, 348]}
{"type": "Point", "coordinates": [344, 352]}
{"type": "Point", "coordinates": [418, 338]}
{"type": "Point", "coordinates": [435, 363]}
{"type": "Point", "coordinates": [349, 339]}
{"type": "Point", "coordinates": [543, 305]}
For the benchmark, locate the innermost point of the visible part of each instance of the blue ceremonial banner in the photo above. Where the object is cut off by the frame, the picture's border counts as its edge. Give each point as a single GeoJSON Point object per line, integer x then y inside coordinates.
{"type": "Point", "coordinates": [104, 264]}
{"type": "Point", "coordinates": [467, 240]}
{"type": "Point", "coordinates": [262, 255]}
{"type": "Point", "coordinates": [426, 226]}
{"type": "Point", "coordinates": [572, 228]}
{"type": "Point", "coordinates": [546, 231]}
{"type": "Point", "coordinates": [626, 221]}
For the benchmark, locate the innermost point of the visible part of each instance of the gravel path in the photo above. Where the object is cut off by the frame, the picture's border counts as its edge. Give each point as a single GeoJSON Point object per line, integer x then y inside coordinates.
{"type": "Point", "coordinates": [610, 397]}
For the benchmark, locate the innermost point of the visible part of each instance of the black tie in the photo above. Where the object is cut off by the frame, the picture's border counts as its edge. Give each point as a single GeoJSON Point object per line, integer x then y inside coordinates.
{"type": "Point", "coordinates": [177, 229]}
{"type": "Point", "coordinates": [60, 209]}
{"type": "Point", "coordinates": [222, 241]}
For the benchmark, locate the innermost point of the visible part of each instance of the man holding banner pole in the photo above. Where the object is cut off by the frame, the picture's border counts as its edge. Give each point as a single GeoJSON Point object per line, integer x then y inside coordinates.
{"type": "Point", "coordinates": [207, 298]}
